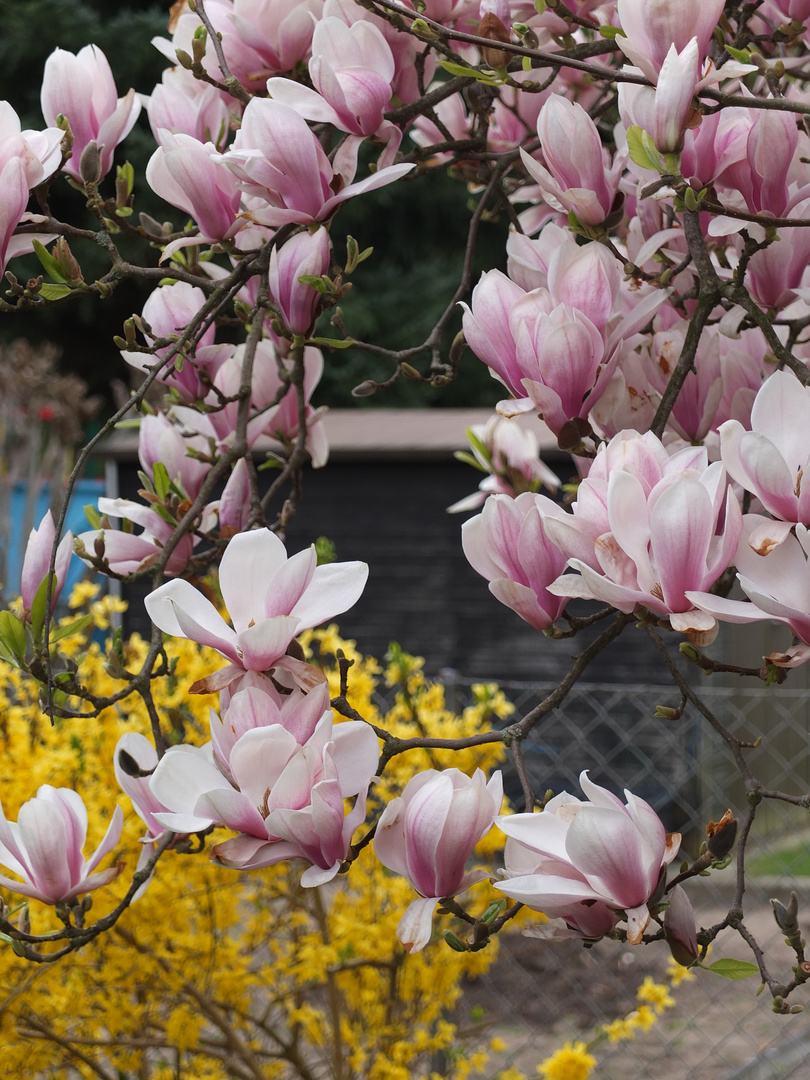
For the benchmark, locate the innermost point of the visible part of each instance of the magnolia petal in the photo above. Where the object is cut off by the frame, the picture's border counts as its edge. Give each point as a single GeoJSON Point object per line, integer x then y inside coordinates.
{"type": "Point", "coordinates": [416, 925]}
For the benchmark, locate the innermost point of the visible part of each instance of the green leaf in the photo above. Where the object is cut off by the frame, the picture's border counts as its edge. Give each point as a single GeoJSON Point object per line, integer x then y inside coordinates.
{"type": "Point", "coordinates": [539, 6]}
{"type": "Point", "coordinates": [271, 463]}
{"type": "Point", "coordinates": [527, 63]}
{"type": "Point", "coordinates": [38, 607]}
{"type": "Point", "coordinates": [49, 263]}
{"type": "Point", "coordinates": [74, 627]}
{"type": "Point", "coordinates": [325, 551]}
{"type": "Point", "coordinates": [732, 969]}
{"type": "Point", "coordinates": [12, 634]}
{"type": "Point", "coordinates": [743, 55]}
{"type": "Point", "coordinates": [468, 459]}
{"type": "Point", "coordinates": [611, 32]}
{"type": "Point", "coordinates": [331, 343]}
{"type": "Point", "coordinates": [352, 252]}
{"type": "Point", "coordinates": [476, 444]}
{"type": "Point", "coordinates": [321, 284]}
{"type": "Point", "coordinates": [653, 154]}
{"type": "Point", "coordinates": [126, 172]}
{"type": "Point", "coordinates": [162, 480]}
{"type": "Point", "coordinates": [638, 142]}
{"type": "Point", "coordinates": [54, 292]}
{"type": "Point", "coordinates": [470, 73]}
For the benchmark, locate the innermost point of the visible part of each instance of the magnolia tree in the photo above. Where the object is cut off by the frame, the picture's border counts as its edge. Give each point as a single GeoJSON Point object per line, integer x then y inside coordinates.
{"type": "Point", "coordinates": [652, 157]}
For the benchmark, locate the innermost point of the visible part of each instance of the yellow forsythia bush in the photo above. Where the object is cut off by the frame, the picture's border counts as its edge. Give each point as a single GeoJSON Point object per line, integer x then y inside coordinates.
{"type": "Point", "coordinates": [215, 974]}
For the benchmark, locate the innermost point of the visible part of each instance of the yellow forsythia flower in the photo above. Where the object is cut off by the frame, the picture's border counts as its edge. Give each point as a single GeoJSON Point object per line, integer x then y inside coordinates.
{"type": "Point", "coordinates": [677, 973]}
{"type": "Point", "coordinates": [618, 1029]}
{"type": "Point", "coordinates": [642, 1019]}
{"type": "Point", "coordinates": [572, 1062]}
{"type": "Point", "coordinates": [655, 994]}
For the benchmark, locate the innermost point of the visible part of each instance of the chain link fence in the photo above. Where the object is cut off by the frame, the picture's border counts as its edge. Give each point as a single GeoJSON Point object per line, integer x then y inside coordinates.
{"type": "Point", "coordinates": [540, 994]}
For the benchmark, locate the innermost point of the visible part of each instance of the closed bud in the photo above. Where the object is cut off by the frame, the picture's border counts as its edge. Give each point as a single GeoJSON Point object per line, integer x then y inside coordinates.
{"type": "Point", "coordinates": [150, 226]}
{"type": "Point", "coordinates": [690, 652]}
{"type": "Point", "coordinates": [410, 372]}
{"type": "Point", "coordinates": [184, 60]}
{"type": "Point", "coordinates": [454, 942]}
{"type": "Point", "coordinates": [457, 348]}
{"type": "Point", "coordinates": [526, 35]}
{"type": "Point", "coordinates": [67, 261]}
{"type": "Point", "coordinates": [787, 917]}
{"type": "Point", "coordinates": [365, 389]}
{"type": "Point", "coordinates": [493, 911]}
{"type": "Point", "coordinates": [90, 166]}
{"type": "Point", "coordinates": [665, 712]}
{"type": "Point", "coordinates": [493, 29]}
{"type": "Point", "coordinates": [721, 835]}
{"type": "Point", "coordinates": [198, 43]}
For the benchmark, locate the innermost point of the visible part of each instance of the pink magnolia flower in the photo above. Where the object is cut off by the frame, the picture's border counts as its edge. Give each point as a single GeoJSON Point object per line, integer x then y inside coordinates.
{"type": "Point", "coordinates": [549, 356]}
{"type": "Point", "coordinates": [680, 929]}
{"type": "Point", "coordinates": [555, 347]}
{"type": "Point", "coordinates": [127, 552]}
{"type": "Point", "coordinates": [662, 112]}
{"type": "Point", "coordinates": [715, 145]}
{"type": "Point", "coordinates": [771, 459]}
{"type": "Point", "coordinates": [183, 105]}
{"type": "Point", "coordinates": [167, 312]}
{"type": "Point", "coordinates": [161, 441]}
{"type": "Point", "coordinates": [44, 848]}
{"type": "Point", "coordinates": [273, 402]}
{"type": "Point", "coordinates": [305, 253]}
{"type": "Point", "coordinates": [507, 543]}
{"type": "Point", "coordinates": [762, 175]}
{"type": "Point", "coordinates": [37, 560]}
{"type": "Point", "coordinates": [510, 454]}
{"type": "Point", "coordinates": [776, 272]}
{"type": "Point", "coordinates": [278, 34]}
{"type": "Point", "coordinates": [269, 597]}
{"type": "Point", "coordinates": [575, 178]}
{"type": "Point", "coordinates": [405, 49]}
{"type": "Point", "coordinates": [279, 160]}
{"type": "Point", "coordinates": [233, 510]}
{"type": "Point", "coordinates": [694, 412]}
{"type": "Point", "coordinates": [351, 68]}
{"type": "Point", "coordinates": [428, 833]}
{"type": "Point", "coordinates": [653, 26]}
{"type": "Point", "coordinates": [775, 576]}
{"type": "Point", "coordinates": [258, 39]}
{"type": "Point", "coordinates": [81, 87]}
{"type": "Point", "coordinates": [651, 538]}
{"type": "Point", "coordinates": [192, 176]}
{"type": "Point", "coordinates": [26, 159]}
{"type": "Point", "coordinates": [253, 702]}
{"type": "Point", "coordinates": [134, 761]}
{"type": "Point", "coordinates": [286, 800]}
{"type": "Point", "coordinates": [593, 861]}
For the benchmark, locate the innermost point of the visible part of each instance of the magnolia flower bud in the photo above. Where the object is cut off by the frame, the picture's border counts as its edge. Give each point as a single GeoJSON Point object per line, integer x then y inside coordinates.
{"type": "Point", "coordinates": [90, 168]}
{"type": "Point", "coordinates": [721, 835]}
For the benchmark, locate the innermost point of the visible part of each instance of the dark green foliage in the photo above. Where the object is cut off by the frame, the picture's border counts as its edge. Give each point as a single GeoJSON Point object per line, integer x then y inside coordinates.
{"type": "Point", "coordinates": [418, 229]}
{"type": "Point", "coordinates": [32, 29]}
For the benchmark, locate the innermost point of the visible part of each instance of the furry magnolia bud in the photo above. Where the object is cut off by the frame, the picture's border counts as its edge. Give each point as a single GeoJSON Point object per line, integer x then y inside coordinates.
{"type": "Point", "coordinates": [90, 166]}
